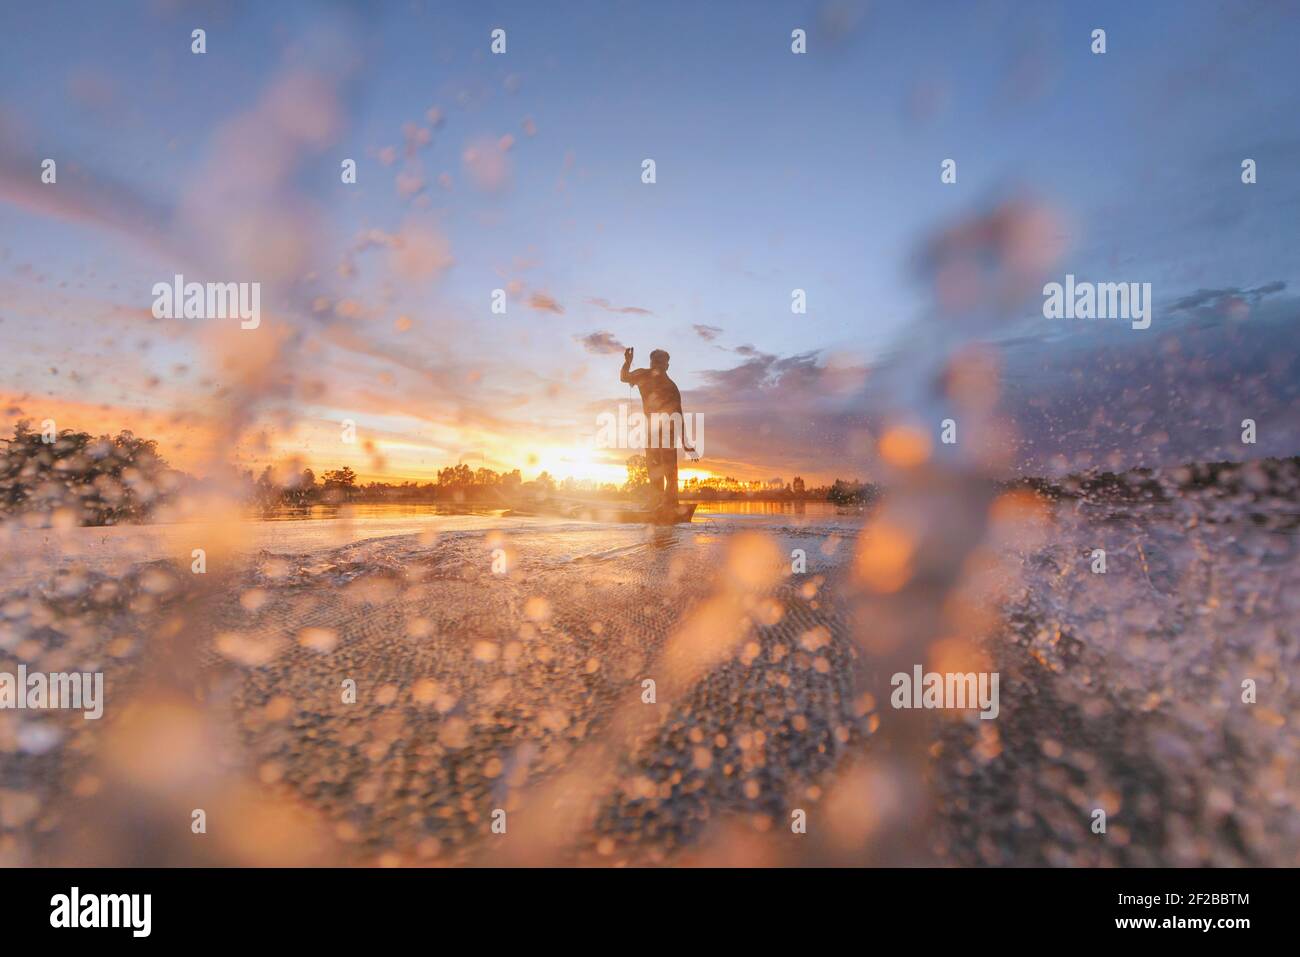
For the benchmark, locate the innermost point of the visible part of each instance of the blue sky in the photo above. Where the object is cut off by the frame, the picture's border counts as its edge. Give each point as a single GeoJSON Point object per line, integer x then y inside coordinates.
{"type": "Point", "coordinates": [775, 171]}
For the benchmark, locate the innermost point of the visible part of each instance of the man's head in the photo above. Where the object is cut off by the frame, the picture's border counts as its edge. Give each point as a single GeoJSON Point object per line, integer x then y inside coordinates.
{"type": "Point", "coordinates": [659, 360]}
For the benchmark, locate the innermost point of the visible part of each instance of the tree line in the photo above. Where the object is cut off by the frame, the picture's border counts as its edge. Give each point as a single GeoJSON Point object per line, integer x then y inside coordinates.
{"type": "Point", "coordinates": [80, 479]}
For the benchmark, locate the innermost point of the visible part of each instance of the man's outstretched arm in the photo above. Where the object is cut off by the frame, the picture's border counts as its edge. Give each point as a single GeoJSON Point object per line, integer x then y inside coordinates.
{"type": "Point", "coordinates": [627, 364]}
{"type": "Point", "coordinates": [681, 417]}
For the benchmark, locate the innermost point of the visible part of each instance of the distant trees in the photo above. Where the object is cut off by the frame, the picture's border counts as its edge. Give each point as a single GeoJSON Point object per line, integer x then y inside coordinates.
{"type": "Point", "coordinates": [82, 479]}
{"type": "Point", "coordinates": [303, 490]}
{"type": "Point", "coordinates": [850, 493]}
{"type": "Point", "coordinates": [463, 484]}
{"type": "Point", "coordinates": [638, 474]}
{"type": "Point", "coordinates": [91, 480]}
{"type": "Point", "coordinates": [343, 478]}
{"type": "Point", "coordinates": [460, 483]}
{"type": "Point", "coordinates": [457, 476]}
{"type": "Point", "coordinates": [457, 483]}
{"type": "Point", "coordinates": [339, 485]}
{"type": "Point", "coordinates": [724, 488]}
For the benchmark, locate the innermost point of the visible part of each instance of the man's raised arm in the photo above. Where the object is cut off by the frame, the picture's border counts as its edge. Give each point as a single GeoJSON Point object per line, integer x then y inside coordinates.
{"type": "Point", "coordinates": [627, 364]}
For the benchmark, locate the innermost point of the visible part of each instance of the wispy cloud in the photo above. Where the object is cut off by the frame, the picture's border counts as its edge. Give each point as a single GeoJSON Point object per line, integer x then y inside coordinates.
{"type": "Point", "coordinates": [1219, 298]}
{"type": "Point", "coordinates": [626, 310]}
{"type": "Point", "coordinates": [600, 343]}
{"type": "Point", "coordinates": [544, 303]}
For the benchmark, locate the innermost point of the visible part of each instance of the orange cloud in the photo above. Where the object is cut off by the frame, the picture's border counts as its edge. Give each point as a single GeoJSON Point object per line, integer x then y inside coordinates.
{"type": "Point", "coordinates": [544, 303]}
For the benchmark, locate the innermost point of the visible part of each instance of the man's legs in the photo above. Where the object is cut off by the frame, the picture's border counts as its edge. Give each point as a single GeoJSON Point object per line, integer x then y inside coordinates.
{"type": "Point", "coordinates": [654, 466]}
{"type": "Point", "coordinates": [663, 473]}
{"type": "Point", "coordinates": [668, 466]}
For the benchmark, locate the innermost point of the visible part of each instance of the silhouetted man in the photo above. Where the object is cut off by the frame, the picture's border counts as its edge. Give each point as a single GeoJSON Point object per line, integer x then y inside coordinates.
{"type": "Point", "coordinates": [661, 403]}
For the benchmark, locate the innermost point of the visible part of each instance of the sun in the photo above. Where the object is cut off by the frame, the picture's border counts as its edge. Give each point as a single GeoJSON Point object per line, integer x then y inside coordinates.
{"type": "Point", "coordinates": [579, 463]}
{"type": "Point", "coordinates": [586, 464]}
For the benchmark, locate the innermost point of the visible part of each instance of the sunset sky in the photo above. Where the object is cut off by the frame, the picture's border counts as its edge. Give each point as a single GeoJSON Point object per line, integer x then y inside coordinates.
{"type": "Point", "coordinates": [522, 171]}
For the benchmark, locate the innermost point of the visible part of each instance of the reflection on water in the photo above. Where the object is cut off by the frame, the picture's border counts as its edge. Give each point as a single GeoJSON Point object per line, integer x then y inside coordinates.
{"type": "Point", "coordinates": [370, 510]}
{"type": "Point", "coordinates": [798, 512]}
